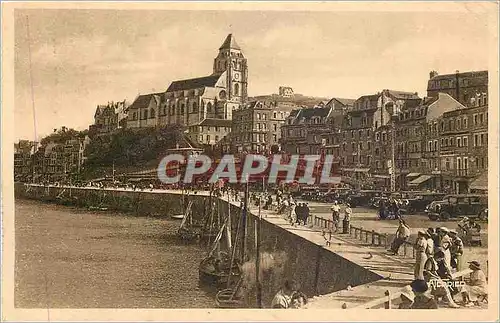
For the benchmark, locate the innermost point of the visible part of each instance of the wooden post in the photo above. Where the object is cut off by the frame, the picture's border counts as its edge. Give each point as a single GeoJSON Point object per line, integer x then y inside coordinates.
{"type": "Point", "coordinates": [361, 233]}
{"type": "Point", "coordinates": [385, 240]}
{"type": "Point", "coordinates": [373, 237]}
{"type": "Point", "coordinates": [404, 249]}
{"type": "Point", "coordinates": [388, 303]}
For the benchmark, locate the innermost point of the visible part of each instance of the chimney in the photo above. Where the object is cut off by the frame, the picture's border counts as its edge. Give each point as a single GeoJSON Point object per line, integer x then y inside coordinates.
{"type": "Point", "coordinates": [457, 86]}
{"type": "Point", "coordinates": [433, 74]}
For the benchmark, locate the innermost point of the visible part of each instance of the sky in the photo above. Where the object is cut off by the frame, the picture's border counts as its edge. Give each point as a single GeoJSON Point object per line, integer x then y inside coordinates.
{"type": "Point", "coordinates": [82, 58]}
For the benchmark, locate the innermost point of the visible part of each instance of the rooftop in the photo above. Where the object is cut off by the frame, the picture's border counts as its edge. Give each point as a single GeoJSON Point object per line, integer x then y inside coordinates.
{"type": "Point", "coordinates": [200, 82]}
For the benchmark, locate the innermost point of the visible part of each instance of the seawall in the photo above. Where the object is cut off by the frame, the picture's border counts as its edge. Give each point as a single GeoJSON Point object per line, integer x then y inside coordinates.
{"type": "Point", "coordinates": [286, 255]}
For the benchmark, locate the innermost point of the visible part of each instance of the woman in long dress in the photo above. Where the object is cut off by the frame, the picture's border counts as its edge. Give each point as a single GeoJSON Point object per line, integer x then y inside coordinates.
{"type": "Point", "coordinates": [420, 255]}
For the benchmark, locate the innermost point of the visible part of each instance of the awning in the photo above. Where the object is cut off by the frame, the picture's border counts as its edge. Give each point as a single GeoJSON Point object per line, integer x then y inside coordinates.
{"type": "Point", "coordinates": [413, 175]}
{"type": "Point", "coordinates": [420, 180]}
{"type": "Point", "coordinates": [381, 176]}
{"type": "Point", "coordinates": [480, 183]}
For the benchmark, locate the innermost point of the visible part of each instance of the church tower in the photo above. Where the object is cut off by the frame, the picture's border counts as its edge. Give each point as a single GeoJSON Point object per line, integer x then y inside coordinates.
{"type": "Point", "coordinates": [231, 59]}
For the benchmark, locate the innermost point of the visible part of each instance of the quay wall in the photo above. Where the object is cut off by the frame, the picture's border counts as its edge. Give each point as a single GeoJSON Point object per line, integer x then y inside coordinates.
{"type": "Point", "coordinates": [285, 255]}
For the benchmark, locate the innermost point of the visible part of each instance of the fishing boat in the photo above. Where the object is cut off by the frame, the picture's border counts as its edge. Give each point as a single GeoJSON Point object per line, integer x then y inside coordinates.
{"type": "Point", "coordinates": [230, 297]}
{"type": "Point", "coordinates": [189, 229]}
{"type": "Point", "coordinates": [219, 267]}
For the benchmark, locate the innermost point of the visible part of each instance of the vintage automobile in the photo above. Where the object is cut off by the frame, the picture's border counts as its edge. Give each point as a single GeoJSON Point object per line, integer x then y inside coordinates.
{"type": "Point", "coordinates": [363, 198]}
{"type": "Point", "coordinates": [459, 205]}
{"type": "Point", "coordinates": [418, 202]}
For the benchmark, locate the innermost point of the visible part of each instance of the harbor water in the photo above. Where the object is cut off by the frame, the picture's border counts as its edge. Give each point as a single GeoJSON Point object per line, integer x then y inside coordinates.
{"type": "Point", "coordinates": [73, 258]}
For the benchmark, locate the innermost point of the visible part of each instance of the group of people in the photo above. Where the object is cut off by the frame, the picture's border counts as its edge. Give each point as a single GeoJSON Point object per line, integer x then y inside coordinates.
{"type": "Point", "coordinates": [427, 292]}
{"type": "Point", "coordinates": [289, 296]}
{"type": "Point", "coordinates": [438, 254]}
{"type": "Point", "coordinates": [336, 209]}
{"type": "Point", "coordinates": [390, 208]}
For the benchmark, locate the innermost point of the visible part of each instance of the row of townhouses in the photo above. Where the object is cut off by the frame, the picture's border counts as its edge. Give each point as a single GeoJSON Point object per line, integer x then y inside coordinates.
{"type": "Point", "coordinates": [54, 160]}
{"type": "Point", "coordinates": [439, 142]}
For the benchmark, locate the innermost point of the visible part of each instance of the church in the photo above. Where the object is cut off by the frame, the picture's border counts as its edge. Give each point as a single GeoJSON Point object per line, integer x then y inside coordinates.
{"type": "Point", "coordinates": [204, 105]}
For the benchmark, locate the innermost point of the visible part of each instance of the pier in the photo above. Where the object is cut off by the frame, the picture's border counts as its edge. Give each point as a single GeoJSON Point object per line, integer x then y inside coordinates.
{"type": "Point", "coordinates": [352, 271]}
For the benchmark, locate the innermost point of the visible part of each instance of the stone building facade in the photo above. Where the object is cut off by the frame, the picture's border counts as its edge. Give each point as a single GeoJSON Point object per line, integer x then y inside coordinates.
{"type": "Point", "coordinates": [256, 127]}
{"type": "Point", "coordinates": [23, 162]}
{"type": "Point", "coordinates": [467, 88]}
{"type": "Point", "coordinates": [109, 117]}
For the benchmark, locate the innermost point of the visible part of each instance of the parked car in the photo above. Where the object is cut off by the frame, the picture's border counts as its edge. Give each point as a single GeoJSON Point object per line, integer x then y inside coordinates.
{"type": "Point", "coordinates": [420, 201]}
{"type": "Point", "coordinates": [459, 205]}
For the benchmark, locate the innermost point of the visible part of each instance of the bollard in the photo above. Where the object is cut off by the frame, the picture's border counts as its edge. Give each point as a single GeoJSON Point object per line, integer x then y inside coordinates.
{"type": "Point", "coordinates": [350, 230]}
{"type": "Point", "coordinates": [388, 304]}
{"type": "Point", "coordinates": [385, 240]}
{"type": "Point", "coordinates": [404, 249]}
{"type": "Point", "coordinates": [355, 233]}
{"type": "Point", "coordinates": [373, 237]}
{"type": "Point", "coordinates": [413, 252]}
{"type": "Point", "coordinates": [360, 233]}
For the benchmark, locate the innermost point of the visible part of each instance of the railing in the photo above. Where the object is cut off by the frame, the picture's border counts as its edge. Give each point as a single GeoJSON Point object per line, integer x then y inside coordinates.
{"type": "Point", "coordinates": [367, 236]}
{"type": "Point", "coordinates": [388, 300]}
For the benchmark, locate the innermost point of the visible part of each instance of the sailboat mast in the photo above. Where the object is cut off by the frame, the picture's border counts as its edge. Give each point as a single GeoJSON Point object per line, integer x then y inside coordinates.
{"type": "Point", "coordinates": [245, 226]}
{"type": "Point", "coordinates": [257, 257]}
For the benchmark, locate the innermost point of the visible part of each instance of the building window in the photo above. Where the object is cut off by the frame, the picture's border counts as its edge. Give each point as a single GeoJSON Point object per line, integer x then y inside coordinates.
{"type": "Point", "coordinates": [263, 116]}
{"type": "Point", "coordinates": [360, 133]}
{"type": "Point", "coordinates": [152, 114]}
{"type": "Point", "coordinates": [459, 142]}
{"type": "Point", "coordinates": [201, 139]}
{"type": "Point", "coordinates": [195, 107]}
{"type": "Point", "coordinates": [134, 116]}
{"type": "Point", "coordinates": [476, 140]}
{"type": "Point", "coordinates": [237, 89]}
{"type": "Point", "coordinates": [377, 136]}
{"type": "Point", "coordinates": [275, 138]}
{"type": "Point", "coordinates": [475, 119]}
{"type": "Point", "coordinates": [209, 107]}
{"type": "Point", "coordinates": [482, 140]}
{"type": "Point", "coordinates": [344, 146]}
{"type": "Point", "coordinates": [464, 123]}
{"type": "Point", "coordinates": [274, 115]}
{"type": "Point", "coordinates": [369, 145]}
{"type": "Point", "coordinates": [435, 145]}
{"type": "Point", "coordinates": [275, 127]}
{"type": "Point", "coordinates": [145, 114]}
{"type": "Point", "coordinates": [430, 145]}
{"type": "Point", "coordinates": [481, 118]}
{"type": "Point", "coordinates": [459, 163]}
{"type": "Point", "coordinates": [258, 116]}
{"type": "Point", "coordinates": [465, 141]}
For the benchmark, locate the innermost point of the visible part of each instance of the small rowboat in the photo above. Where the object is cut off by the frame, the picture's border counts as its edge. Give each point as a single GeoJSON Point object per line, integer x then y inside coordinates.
{"type": "Point", "coordinates": [227, 298]}
{"type": "Point", "coordinates": [177, 216]}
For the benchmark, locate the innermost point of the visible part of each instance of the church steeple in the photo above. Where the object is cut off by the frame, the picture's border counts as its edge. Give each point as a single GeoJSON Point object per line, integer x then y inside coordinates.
{"type": "Point", "coordinates": [231, 61]}
{"type": "Point", "coordinates": [230, 43]}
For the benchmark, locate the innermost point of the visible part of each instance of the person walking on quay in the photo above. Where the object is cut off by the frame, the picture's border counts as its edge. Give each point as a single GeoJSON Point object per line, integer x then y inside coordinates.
{"type": "Point", "coordinates": [299, 212]}
{"type": "Point", "coordinates": [420, 254]}
{"type": "Point", "coordinates": [457, 250]}
{"type": "Point", "coordinates": [402, 235]}
{"type": "Point", "coordinates": [430, 264]}
{"type": "Point", "coordinates": [335, 215]}
{"type": "Point", "coordinates": [307, 213]}
{"type": "Point", "coordinates": [283, 297]}
{"type": "Point", "coordinates": [445, 244]}
{"type": "Point", "coordinates": [292, 215]}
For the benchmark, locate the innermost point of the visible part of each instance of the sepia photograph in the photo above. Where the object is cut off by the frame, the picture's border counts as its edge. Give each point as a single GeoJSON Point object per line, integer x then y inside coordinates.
{"type": "Point", "coordinates": [222, 157]}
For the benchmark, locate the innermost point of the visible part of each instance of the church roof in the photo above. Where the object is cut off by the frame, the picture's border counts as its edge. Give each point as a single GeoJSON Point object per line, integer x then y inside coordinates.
{"type": "Point", "coordinates": [230, 43]}
{"type": "Point", "coordinates": [215, 122]}
{"type": "Point", "coordinates": [206, 81]}
{"type": "Point", "coordinates": [142, 101]}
